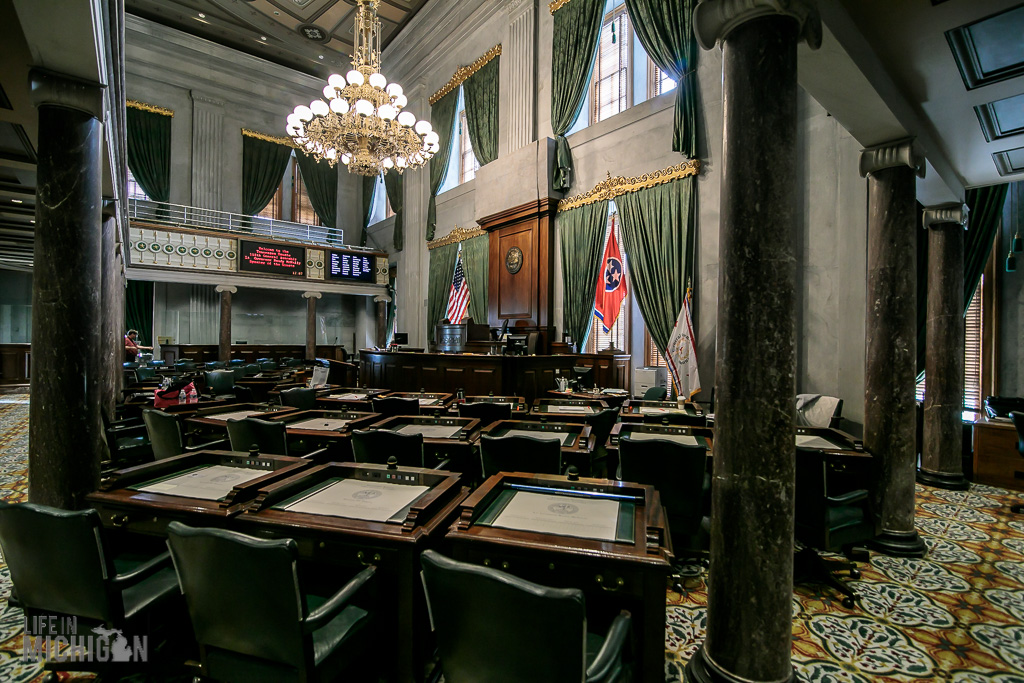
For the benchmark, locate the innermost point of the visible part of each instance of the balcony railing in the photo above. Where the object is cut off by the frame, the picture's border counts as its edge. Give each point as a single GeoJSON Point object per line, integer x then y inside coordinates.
{"type": "Point", "coordinates": [176, 215]}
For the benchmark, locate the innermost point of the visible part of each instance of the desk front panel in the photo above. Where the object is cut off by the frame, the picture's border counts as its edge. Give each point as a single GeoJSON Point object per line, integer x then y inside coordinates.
{"type": "Point", "coordinates": [996, 460]}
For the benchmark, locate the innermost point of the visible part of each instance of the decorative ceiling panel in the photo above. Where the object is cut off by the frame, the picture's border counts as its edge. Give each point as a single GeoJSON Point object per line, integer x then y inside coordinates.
{"type": "Point", "coordinates": [989, 50]}
{"type": "Point", "coordinates": [1002, 118]}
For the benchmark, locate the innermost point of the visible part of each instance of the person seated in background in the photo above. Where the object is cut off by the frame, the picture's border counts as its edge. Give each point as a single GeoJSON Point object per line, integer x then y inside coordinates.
{"type": "Point", "coordinates": [132, 346]}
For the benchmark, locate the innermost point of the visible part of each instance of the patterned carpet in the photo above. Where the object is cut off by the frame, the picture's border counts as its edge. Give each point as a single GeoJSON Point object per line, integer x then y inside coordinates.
{"type": "Point", "coordinates": [957, 615]}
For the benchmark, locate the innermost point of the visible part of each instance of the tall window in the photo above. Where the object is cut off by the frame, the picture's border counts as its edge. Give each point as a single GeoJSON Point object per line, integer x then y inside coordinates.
{"type": "Point", "coordinates": [135, 190]}
{"type": "Point", "coordinates": [610, 90]}
{"type": "Point", "coordinates": [468, 165]}
{"type": "Point", "coordinates": [972, 354]}
{"type": "Point", "coordinates": [659, 80]}
{"type": "Point", "coordinates": [599, 339]}
{"type": "Point", "coordinates": [302, 208]}
{"type": "Point", "coordinates": [381, 204]}
{"type": "Point", "coordinates": [274, 209]}
{"type": "Point", "coordinates": [653, 359]}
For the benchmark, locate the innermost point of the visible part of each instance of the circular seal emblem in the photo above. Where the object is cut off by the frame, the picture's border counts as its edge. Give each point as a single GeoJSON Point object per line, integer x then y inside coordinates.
{"type": "Point", "coordinates": [563, 509]}
{"type": "Point", "coordinates": [141, 246]}
{"type": "Point", "coordinates": [514, 260]}
{"type": "Point", "coordinates": [309, 264]}
{"type": "Point", "coordinates": [366, 494]}
{"type": "Point", "coordinates": [207, 253]}
{"type": "Point", "coordinates": [612, 274]}
{"type": "Point", "coordinates": [231, 254]}
{"type": "Point", "coordinates": [154, 247]}
{"type": "Point", "coordinates": [169, 249]}
{"type": "Point", "coordinates": [194, 251]}
{"type": "Point", "coordinates": [182, 250]}
{"type": "Point", "coordinates": [219, 254]}
{"type": "Point", "coordinates": [319, 264]}
{"type": "Point", "coordinates": [314, 33]}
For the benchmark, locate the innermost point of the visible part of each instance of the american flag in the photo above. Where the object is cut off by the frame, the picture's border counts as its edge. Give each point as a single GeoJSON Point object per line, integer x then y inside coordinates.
{"type": "Point", "coordinates": [458, 297]}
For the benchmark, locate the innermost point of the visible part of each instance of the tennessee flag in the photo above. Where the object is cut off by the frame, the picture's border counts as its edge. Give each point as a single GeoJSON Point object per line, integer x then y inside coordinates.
{"type": "Point", "coordinates": [611, 290]}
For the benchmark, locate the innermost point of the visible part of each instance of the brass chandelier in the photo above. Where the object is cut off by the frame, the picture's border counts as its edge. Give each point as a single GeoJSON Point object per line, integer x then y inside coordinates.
{"type": "Point", "coordinates": [360, 121]}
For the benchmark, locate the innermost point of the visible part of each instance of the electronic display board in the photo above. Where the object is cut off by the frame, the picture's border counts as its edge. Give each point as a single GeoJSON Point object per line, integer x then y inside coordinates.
{"type": "Point", "coordinates": [276, 259]}
{"type": "Point", "coordinates": [352, 265]}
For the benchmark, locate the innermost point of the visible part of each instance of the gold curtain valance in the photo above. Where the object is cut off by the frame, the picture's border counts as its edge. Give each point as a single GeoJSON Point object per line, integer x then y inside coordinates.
{"type": "Point", "coordinates": [455, 236]}
{"type": "Point", "coordinates": [557, 5]}
{"type": "Point", "coordinates": [464, 72]}
{"type": "Point", "coordinates": [613, 187]}
{"type": "Point", "coordinates": [287, 142]}
{"type": "Point", "coordinates": [151, 108]}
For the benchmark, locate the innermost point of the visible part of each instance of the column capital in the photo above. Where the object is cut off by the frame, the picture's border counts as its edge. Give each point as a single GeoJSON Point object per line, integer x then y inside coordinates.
{"type": "Point", "coordinates": [382, 298]}
{"type": "Point", "coordinates": [891, 155]}
{"type": "Point", "coordinates": [514, 6]}
{"type": "Point", "coordinates": [311, 295]}
{"type": "Point", "coordinates": [714, 20]}
{"type": "Point", "coordinates": [61, 90]}
{"type": "Point", "coordinates": [227, 288]}
{"type": "Point", "coordinates": [955, 212]}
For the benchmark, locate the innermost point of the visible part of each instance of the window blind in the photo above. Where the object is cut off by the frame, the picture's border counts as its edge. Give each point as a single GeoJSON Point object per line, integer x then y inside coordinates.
{"type": "Point", "coordinates": [611, 69]}
{"type": "Point", "coordinates": [468, 164]}
{"type": "Point", "coordinates": [972, 354]}
{"type": "Point", "coordinates": [302, 208]}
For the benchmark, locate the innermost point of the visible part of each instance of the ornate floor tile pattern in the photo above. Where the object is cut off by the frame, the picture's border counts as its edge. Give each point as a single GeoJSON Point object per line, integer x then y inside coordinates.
{"type": "Point", "coordinates": [956, 616]}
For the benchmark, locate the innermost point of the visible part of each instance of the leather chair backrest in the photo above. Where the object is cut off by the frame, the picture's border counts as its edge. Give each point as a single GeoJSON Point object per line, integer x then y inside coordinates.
{"type": "Point", "coordinates": [219, 381]}
{"type": "Point", "coordinates": [486, 412]}
{"type": "Point", "coordinates": [299, 397]}
{"type": "Point", "coordinates": [251, 369]}
{"type": "Point", "coordinates": [269, 437]}
{"type": "Point", "coordinates": [164, 432]}
{"type": "Point", "coordinates": [142, 374]}
{"type": "Point", "coordinates": [678, 419]}
{"type": "Point", "coordinates": [655, 394]}
{"type": "Point", "coordinates": [1002, 406]}
{"type": "Point", "coordinates": [495, 627]}
{"type": "Point", "coordinates": [236, 361]}
{"type": "Point", "coordinates": [268, 365]}
{"type": "Point", "coordinates": [389, 407]}
{"type": "Point", "coordinates": [238, 371]}
{"type": "Point", "coordinates": [185, 365]}
{"type": "Point", "coordinates": [1018, 422]}
{"type": "Point", "coordinates": [242, 592]}
{"type": "Point", "coordinates": [601, 424]}
{"type": "Point", "coordinates": [520, 454]}
{"type": "Point", "coordinates": [57, 562]}
{"type": "Point", "coordinates": [377, 445]}
{"type": "Point", "coordinates": [676, 470]}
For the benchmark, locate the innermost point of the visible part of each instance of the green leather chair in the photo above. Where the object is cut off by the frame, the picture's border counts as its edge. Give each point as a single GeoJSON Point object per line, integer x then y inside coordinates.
{"type": "Point", "coordinates": [601, 424]}
{"type": "Point", "coordinates": [268, 436]}
{"type": "Point", "coordinates": [220, 384]}
{"type": "Point", "coordinates": [299, 397]}
{"type": "Point", "coordinates": [60, 568]}
{"type": "Point", "coordinates": [486, 412]}
{"type": "Point", "coordinates": [251, 369]}
{"type": "Point", "coordinates": [540, 635]}
{"type": "Point", "coordinates": [395, 405]}
{"type": "Point", "coordinates": [655, 394]}
{"type": "Point", "coordinates": [519, 454]}
{"type": "Point", "coordinates": [377, 445]}
{"type": "Point", "coordinates": [127, 442]}
{"type": "Point", "coordinates": [252, 618]}
{"type": "Point", "coordinates": [143, 374]}
{"type": "Point", "coordinates": [167, 437]}
{"type": "Point", "coordinates": [268, 365]}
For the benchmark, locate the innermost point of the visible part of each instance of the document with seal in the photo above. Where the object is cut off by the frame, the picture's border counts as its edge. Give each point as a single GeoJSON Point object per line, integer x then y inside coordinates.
{"type": "Point", "coordinates": [562, 515]}
{"type": "Point", "coordinates": [234, 415]}
{"type": "Point", "coordinates": [209, 483]}
{"type": "Point", "coordinates": [326, 424]}
{"type": "Point", "coordinates": [369, 500]}
{"type": "Point", "coordinates": [431, 431]}
{"type": "Point", "coordinates": [349, 397]}
{"type": "Point", "coordinates": [685, 439]}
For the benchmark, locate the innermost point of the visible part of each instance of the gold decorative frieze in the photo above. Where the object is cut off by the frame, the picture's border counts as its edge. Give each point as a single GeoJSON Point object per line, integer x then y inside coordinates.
{"type": "Point", "coordinates": [267, 138]}
{"type": "Point", "coordinates": [613, 187]}
{"type": "Point", "coordinates": [557, 5]}
{"type": "Point", "coordinates": [455, 236]}
{"type": "Point", "coordinates": [151, 108]}
{"type": "Point", "coordinates": [464, 72]}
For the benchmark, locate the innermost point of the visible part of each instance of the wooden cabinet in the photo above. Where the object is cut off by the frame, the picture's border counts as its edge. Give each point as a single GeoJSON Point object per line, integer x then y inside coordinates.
{"type": "Point", "coordinates": [996, 460]}
{"type": "Point", "coordinates": [15, 363]}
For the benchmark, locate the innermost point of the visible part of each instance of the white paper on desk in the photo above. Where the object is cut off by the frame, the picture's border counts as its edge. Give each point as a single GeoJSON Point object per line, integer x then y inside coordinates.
{"type": "Point", "coordinates": [349, 397]}
{"type": "Point", "coordinates": [811, 441]}
{"type": "Point", "coordinates": [430, 431]}
{"type": "Point", "coordinates": [324, 424]}
{"type": "Point", "coordinates": [369, 500]}
{"type": "Point", "coordinates": [647, 410]}
{"type": "Point", "coordinates": [685, 439]}
{"type": "Point", "coordinates": [209, 483]}
{"type": "Point", "coordinates": [569, 409]}
{"type": "Point", "coordinates": [234, 415]}
{"type": "Point", "coordinates": [545, 435]}
{"type": "Point", "coordinates": [563, 515]}
{"type": "Point", "coordinates": [428, 401]}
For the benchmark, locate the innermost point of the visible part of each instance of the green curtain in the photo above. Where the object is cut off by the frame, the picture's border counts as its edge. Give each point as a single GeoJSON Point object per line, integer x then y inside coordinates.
{"type": "Point", "coordinates": [263, 166]}
{"type": "Point", "coordinates": [573, 47]}
{"type": "Point", "coordinates": [368, 186]}
{"type": "Point", "coordinates": [474, 259]}
{"type": "Point", "coordinates": [149, 153]}
{"type": "Point", "coordinates": [395, 186]}
{"type": "Point", "coordinates": [481, 93]}
{"type": "Point", "coordinates": [657, 236]}
{"type": "Point", "coordinates": [983, 220]}
{"type": "Point", "coordinates": [443, 116]}
{"type": "Point", "coordinates": [138, 310]}
{"type": "Point", "coordinates": [442, 268]}
{"type": "Point", "coordinates": [665, 29]}
{"type": "Point", "coordinates": [581, 235]}
{"type": "Point", "coordinates": [322, 187]}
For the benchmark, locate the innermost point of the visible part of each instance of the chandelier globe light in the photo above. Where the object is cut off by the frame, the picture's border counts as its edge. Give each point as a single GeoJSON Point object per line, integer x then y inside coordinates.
{"type": "Point", "coordinates": [360, 120]}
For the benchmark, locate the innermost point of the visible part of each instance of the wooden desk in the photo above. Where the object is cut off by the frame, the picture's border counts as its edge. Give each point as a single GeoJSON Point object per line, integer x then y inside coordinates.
{"type": "Point", "coordinates": [217, 417]}
{"type": "Point", "coordinates": [459, 449]}
{"type": "Point", "coordinates": [393, 547]}
{"type": "Point", "coordinates": [996, 459]}
{"type": "Point", "coordinates": [635, 410]}
{"type": "Point", "coordinates": [520, 408]}
{"type": "Point", "coordinates": [627, 573]}
{"type": "Point", "coordinates": [613, 400]}
{"type": "Point", "coordinates": [431, 403]}
{"type": "Point", "coordinates": [350, 398]}
{"type": "Point", "coordinates": [565, 409]}
{"type": "Point", "coordinates": [326, 428]}
{"type": "Point", "coordinates": [577, 441]}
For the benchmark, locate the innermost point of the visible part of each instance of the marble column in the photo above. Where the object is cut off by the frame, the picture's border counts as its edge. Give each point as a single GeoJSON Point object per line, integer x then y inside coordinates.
{"type": "Point", "coordinates": [311, 298]}
{"type": "Point", "coordinates": [890, 368]}
{"type": "Point", "coordinates": [941, 456]}
{"type": "Point", "coordinates": [749, 620]}
{"type": "Point", "coordinates": [381, 338]}
{"type": "Point", "coordinates": [518, 79]}
{"type": "Point", "coordinates": [224, 340]}
{"type": "Point", "coordinates": [65, 426]}
{"type": "Point", "coordinates": [112, 353]}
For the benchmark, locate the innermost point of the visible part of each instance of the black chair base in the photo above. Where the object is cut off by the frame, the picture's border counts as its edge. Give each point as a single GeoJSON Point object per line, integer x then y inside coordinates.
{"type": "Point", "coordinates": [809, 566]}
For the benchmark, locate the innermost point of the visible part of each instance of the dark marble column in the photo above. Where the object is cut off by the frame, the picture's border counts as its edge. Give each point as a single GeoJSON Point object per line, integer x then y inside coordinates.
{"type": "Point", "coordinates": [112, 349]}
{"type": "Point", "coordinates": [311, 298]}
{"type": "Point", "coordinates": [890, 434]}
{"type": "Point", "coordinates": [68, 340]}
{"type": "Point", "coordinates": [941, 457]}
{"type": "Point", "coordinates": [224, 343]}
{"type": "Point", "coordinates": [382, 323]}
{"type": "Point", "coordinates": [750, 580]}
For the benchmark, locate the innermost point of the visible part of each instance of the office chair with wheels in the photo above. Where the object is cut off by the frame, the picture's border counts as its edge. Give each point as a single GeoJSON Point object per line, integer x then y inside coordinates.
{"type": "Point", "coordinates": [828, 520]}
{"type": "Point", "coordinates": [655, 394]}
{"type": "Point", "coordinates": [60, 568]}
{"type": "Point", "coordinates": [540, 637]}
{"type": "Point", "coordinates": [486, 412]}
{"type": "Point", "coordinates": [601, 424]}
{"type": "Point", "coordinates": [299, 397]}
{"type": "Point", "coordinates": [167, 437]}
{"type": "Point", "coordinates": [377, 445]}
{"type": "Point", "coordinates": [265, 626]}
{"type": "Point", "coordinates": [520, 454]}
{"type": "Point", "coordinates": [1018, 423]}
{"type": "Point", "coordinates": [390, 407]}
